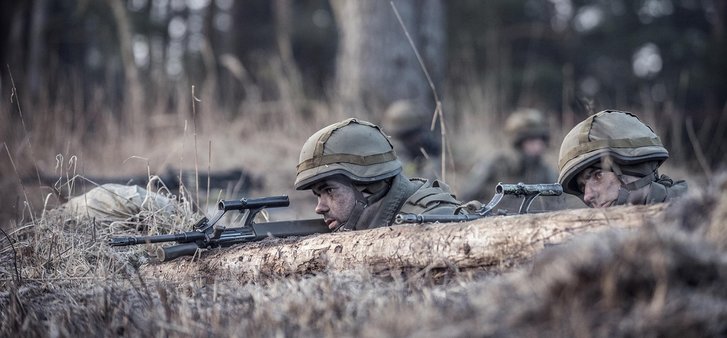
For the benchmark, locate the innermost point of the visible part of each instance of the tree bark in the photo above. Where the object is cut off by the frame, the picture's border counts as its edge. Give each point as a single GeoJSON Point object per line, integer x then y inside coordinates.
{"type": "Point", "coordinates": [493, 242]}
{"type": "Point", "coordinates": [376, 64]}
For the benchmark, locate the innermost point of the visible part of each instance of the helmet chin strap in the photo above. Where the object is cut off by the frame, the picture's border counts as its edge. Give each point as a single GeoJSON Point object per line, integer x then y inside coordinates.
{"type": "Point", "coordinates": [625, 190]}
{"type": "Point", "coordinates": [361, 203]}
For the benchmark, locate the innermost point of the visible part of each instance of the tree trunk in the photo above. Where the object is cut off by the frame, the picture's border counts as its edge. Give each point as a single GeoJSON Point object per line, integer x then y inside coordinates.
{"type": "Point", "coordinates": [37, 46]}
{"type": "Point", "coordinates": [376, 64]}
{"type": "Point", "coordinates": [494, 242]}
{"type": "Point", "coordinates": [133, 93]}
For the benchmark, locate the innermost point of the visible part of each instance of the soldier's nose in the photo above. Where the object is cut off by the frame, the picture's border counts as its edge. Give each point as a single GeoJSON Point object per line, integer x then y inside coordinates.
{"type": "Point", "coordinates": [321, 207]}
{"type": "Point", "coordinates": [588, 195]}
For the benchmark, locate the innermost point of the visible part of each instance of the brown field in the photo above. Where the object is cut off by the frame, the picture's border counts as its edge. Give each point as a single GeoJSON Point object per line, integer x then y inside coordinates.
{"type": "Point", "coordinates": [59, 278]}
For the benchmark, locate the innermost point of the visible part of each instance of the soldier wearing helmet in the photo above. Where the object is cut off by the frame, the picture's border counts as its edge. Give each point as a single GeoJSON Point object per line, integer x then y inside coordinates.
{"type": "Point", "coordinates": [612, 158]}
{"type": "Point", "coordinates": [417, 147]}
{"type": "Point", "coordinates": [529, 135]}
{"type": "Point", "coordinates": [354, 172]}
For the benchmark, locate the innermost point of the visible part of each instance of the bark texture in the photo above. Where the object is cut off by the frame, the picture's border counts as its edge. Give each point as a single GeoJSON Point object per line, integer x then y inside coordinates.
{"type": "Point", "coordinates": [490, 242]}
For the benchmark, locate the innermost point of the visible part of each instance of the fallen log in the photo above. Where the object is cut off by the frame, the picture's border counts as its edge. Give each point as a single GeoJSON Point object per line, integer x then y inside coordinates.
{"type": "Point", "coordinates": [489, 242]}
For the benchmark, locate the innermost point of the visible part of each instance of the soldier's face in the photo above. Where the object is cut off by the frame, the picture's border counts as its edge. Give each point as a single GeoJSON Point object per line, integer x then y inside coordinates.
{"type": "Point", "coordinates": [336, 201]}
{"type": "Point", "coordinates": [534, 146]}
{"type": "Point", "coordinates": [600, 188]}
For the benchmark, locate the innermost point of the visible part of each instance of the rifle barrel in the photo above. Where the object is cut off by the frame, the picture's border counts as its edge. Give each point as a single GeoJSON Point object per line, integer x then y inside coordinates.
{"type": "Point", "coordinates": [413, 218]}
{"type": "Point", "coordinates": [183, 237]}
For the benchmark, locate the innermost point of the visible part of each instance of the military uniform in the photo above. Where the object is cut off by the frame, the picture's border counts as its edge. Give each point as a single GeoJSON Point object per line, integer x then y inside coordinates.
{"type": "Point", "coordinates": [408, 196]}
{"type": "Point", "coordinates": [618, 142]}
{"type": "Point", "coordinates": [361, 152]}
{"type": "Point", "coordinates": [417, 147]}
{"type": "Point", "coordinates": [514, 166]}
{"type": "Point", "coordinates": [663, 190]}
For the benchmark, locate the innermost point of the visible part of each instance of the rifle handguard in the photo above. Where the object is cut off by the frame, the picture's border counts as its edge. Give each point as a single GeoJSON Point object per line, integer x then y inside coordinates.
{"type": "Point", "coordinates": [522, 189]}
{"type": "Point", "coordinates": [414, 218]}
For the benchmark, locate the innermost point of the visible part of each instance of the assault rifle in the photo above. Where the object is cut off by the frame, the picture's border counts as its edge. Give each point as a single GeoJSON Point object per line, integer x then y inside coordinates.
{"type": "Point", "coordinates": [527, 192]}
{"type": "Point", "coordinates": [209, 233]}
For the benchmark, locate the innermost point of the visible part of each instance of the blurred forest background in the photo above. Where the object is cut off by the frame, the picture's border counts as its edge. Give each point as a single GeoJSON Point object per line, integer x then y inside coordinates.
{"type": "Point", "coordinates": [102, 82]}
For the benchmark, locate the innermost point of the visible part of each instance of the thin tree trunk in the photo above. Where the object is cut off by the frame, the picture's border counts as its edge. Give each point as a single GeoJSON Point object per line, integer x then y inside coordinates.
{"type": "Point", "coordinates": [494, 242]}
{"type": "Point", "coordinates": [133, 87]}
{"type": "Point", "coordinates": [37, 50]}
{"type": "Point", "coordinates": [290, 84]}
{"type": "Point", "coordinates": [376, 65]}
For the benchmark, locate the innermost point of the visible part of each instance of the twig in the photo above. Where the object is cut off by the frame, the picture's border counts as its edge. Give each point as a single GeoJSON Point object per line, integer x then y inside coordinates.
{"type": "Point", "coordinates": [194, 133]}
{"type": "Point", "coordinates": [209, 172]}
{"type": "Point", "coordinates": [25, 194]}
{"type": "Point", "coordinates": [15, 258]}
{"type": "Point", "coordinates": [438, 110]}
{"type": "Point", "coordinates": [14, 93]}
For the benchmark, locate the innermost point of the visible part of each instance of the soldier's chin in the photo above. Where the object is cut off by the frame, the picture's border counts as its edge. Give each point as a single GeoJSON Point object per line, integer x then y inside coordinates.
{"type": "Point", "coordinates": [608, 204]}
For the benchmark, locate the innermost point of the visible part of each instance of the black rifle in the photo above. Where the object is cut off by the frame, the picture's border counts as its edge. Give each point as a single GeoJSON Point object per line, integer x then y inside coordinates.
{"type": "Point", "coordinates": [211, 234]}
{"type": "Point", "coordinates": [527, 191]}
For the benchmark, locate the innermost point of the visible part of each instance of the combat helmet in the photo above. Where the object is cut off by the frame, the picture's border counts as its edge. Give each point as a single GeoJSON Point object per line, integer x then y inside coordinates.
{"type": "Point", "coordinates": [526, 123]}
{"type": "Point", "coordinates": [402, 117]}
{"type": "Point", "coordinates": [615, 138]}
{"type": "Point", "coordinates": [356, 149]}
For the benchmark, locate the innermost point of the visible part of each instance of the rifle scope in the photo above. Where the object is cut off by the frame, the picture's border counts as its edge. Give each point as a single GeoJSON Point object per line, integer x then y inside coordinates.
{"type": "Point", "coordinates": [254, 203]}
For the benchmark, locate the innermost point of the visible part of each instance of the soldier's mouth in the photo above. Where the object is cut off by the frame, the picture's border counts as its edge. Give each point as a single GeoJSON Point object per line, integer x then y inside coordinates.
{"type": "Point", "coordinates": [331, 223]}
{"type": "Point", "coordinates": [605, 204]}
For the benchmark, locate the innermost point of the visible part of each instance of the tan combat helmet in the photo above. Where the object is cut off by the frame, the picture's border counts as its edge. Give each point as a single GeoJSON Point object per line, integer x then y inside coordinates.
{"type": "Point", "coordinates": [356, 149]}
{"type": "Point", "coordinates": [526, 123]}
{"type": "Point", "coordinates": [609, 136]}
{"type": "Point", "coordinates": [402, 117]}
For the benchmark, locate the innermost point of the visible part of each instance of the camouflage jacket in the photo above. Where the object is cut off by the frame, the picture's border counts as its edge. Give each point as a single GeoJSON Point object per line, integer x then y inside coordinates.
{"type": "Point", "coordinates": [408, 195]}
{"type": "Point", "coordinates": [510, 167]}
{"type": "Point", "coordinates": [664, 190]}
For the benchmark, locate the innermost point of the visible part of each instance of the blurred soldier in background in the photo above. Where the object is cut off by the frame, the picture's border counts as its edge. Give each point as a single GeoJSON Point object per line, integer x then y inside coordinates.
{"type": "Point", "coordinates": [416, 145]}
{"type": "Point", "coordinates": [612, 158]}
{"type": "Point", "coordinates": [352, 169]}
{"type": "Point", "coordinates": [528, 132]}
